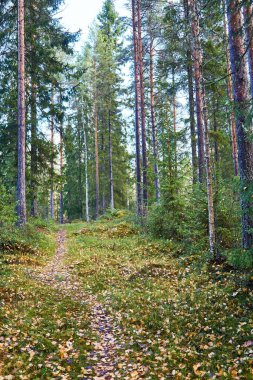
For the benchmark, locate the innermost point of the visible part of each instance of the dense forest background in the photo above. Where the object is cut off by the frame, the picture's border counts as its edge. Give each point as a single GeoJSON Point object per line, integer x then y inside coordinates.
{"type": "Point", "coordinates": [154, 116]}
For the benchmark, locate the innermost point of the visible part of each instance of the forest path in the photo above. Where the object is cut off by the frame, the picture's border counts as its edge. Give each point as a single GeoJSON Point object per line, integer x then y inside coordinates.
{"type": "Point", "coordinates": [104, 355]}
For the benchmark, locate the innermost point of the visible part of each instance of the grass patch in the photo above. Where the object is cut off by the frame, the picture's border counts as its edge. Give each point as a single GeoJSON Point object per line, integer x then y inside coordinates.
{"type": "Point", "coordinates": [178, 319]}
{"type": "Point", "coordinates": [43, 335]}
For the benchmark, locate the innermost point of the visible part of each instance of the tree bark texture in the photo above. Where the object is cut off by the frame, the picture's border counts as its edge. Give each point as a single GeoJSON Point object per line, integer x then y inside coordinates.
{"type": "Point", "coordinates": [242, 108]}
{"type": "Point", "coordinates": [197, 61]}
{"type": "Point", "coordinates": [153, 124]}
{"type": "Point", "coordinates": [137, 114]}
{"type": "Point", "coordinates": [21, 184]}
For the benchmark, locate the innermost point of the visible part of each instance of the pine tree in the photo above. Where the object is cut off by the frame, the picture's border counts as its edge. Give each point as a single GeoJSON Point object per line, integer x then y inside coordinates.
{"type": "Point", "coordinates": [242, 102]}
{"type": "Point", "coordinates": [21, 187]}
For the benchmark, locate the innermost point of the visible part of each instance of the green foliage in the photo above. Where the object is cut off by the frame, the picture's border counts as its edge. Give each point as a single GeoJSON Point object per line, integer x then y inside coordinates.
{"type": "Point", "coordinates": [7, 207]}
{"type": "Point", "coordinates": [167, 219]}
{"type": "Point", "coordinates": [32, 239]}
{"type": "Point", "coordinates": [209, 321]}
{"type": "Point", "coordinates": [239, 258]}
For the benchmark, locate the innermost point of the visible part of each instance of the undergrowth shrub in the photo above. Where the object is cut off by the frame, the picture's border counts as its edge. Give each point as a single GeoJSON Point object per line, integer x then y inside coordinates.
{"type": "Point", "coordinates": [167, 220]}
{"type": "Point", "coordinates": [183, 217]}
{"type": "Point", "coordinates": [239, 258]}
{"type": "Point", "coordinates": [7, 207]}
{"type": "Point", "coordinates": [27, 239]}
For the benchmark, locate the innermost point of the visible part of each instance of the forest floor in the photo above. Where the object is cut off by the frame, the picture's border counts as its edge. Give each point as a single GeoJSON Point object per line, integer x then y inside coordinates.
{"type": "Point", "coordinates": [105, 302]}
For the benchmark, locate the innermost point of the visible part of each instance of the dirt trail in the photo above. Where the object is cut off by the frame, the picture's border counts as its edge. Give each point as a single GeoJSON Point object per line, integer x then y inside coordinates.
{"type": "Point", "coordinates": [104, 356]}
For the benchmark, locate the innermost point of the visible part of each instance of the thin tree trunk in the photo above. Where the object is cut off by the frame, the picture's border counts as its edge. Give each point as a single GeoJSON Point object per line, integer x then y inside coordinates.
{"type": "Point", "coordinates": [97, 161]}
{"type": "Point", "coordinates": [137, 111]}
{"type": "Point", "coordinates": [80, 184]}
{"type": "Point", "coordinates": [52, 154]}
{"type": "Point", "coordinates": [153, 123]}
{"type": "Point", "coordinates": [61, 164]}
{"type": "Point", "coordinates": [21, 184]}
{"type": "Point", "coordinates": [174, 101]}
{"type": "Point", "coordinates": [34, 149]}
{"type": "Point", "coordinates": [143, 116]}
{"type": "Point", "coordinates": [232, 120]}
{"type": "Point", "coordinates": [191, 96]}
{"type": "Point", "coordinates": [248, 19]}
{"type": "Point", "coordinates": [242, 106]}
{"type": "Point", "coordinates": [110, 163]}
{"type": "Point", "coordinates": [209, 180]}
{"type": "Point", "coordinates": [86, 177]}
{"type": "Point", "coordinates": [215, 129]}
{"type": "Point", "coordinates": [197, 59]}
{"type": "Point", "coordinates": [103, 164]}
{"type": "Point", "coordinates": [202, 120]}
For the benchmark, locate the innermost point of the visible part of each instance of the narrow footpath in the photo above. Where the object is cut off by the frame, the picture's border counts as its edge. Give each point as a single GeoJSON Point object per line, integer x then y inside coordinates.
{"type": "Point", "coordinates": [104, 356]}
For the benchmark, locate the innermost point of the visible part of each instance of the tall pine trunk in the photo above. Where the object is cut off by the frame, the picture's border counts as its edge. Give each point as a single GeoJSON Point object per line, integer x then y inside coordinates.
{"type": "Point", "coordinates": [137, 114]}
{"type": "Point", "coordinates": [61, 216]}
{"type": "Point", "coordinates": [34, 149]}
{"type": "Point", "coordinates": [97, 161]}
{"type": "Point", "coordinates": [203, 131]}
{"type": "Point", "coordinates": [21, 184]}
{"type": "Point", "coordinates": [191, 95]}
{"type": "Point", "coordinates": [143, 116]}
{"type": "Point", "coordinates": [110, 162]}
{"type": "Point", "coordinates": [232, 120]}
{"type": "Point", "coordinates": [174, 103]}
{"type": "Point", "coordinates": [52, 155]}
{"type": "Point", "coordinates": [242, 107]}
{"type": "Point", "coordinates": [80, 151]}
{"type": "Point", "coordinates": [86, 177]}
{"type": "Point", "coordinates": [248, 20]}
{"type": "Point", "coordinates": [153, 123]}
{"type": "Point", "coordinates": [103, 162]}
{"type": "Point", "coordinates": [61, 164]}
{"type": "Point", "coordinates": [197, 59]}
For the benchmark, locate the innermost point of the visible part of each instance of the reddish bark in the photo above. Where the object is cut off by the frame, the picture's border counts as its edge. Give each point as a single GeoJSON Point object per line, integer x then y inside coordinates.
{"type": "Point", "coordinates": [61, 163]}
{"type": "Point", "coordinates": [153, 124]}
{"type": "Point", "coordinates": [232, 120]}
{"type": "Point", "coordinates": [52, 155]}
{"type": "Point", "coordinates": [242, 106]}
{"type": "Point", "coordinates": [21, 184]}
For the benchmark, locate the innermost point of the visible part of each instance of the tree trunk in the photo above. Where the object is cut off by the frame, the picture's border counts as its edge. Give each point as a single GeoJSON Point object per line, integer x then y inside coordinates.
{"type": "Point", "coordinates": [203, 132]}
{"type": "Point", "coordinates": [34, 149]}
{"type": "Point", "coordinates": [97, 161]}
{"type": "Point", "coordinates": [174, 102]}
{"type": "Point", "coordinates": [197, 59]}
{"type": "Point", "coordinates": [248, 19]}
{"type": "Point", "coordinates": [61, 164]}
{"type": "Point", "coordinates": [143, 116]}
{"type": "Point", "coordinates": [153, 124]}
{"type": "Point", "coordinates": [103, 163]}
{"type": "Point", "coordinates": [232, 120]}
{"type": "Point", "coordinates": [21, 184]}
{"type": "Point", "coordinates": [80, 148]}
{"type": "Point", "coordinates": [86, 177]}
{"type": "Point", "coordinates": [110, 163]}
{"type": "Point", "coordinates": [191, 96]}
{"type": "Point", "coordinates": [209, 180]}
{"type": "Point", "coordinates": [215, 129]}
{"type": "Point", "coordinates": [52, 154]}
{"type": "Point", "coordinates": [242, 106]}
{"type": "Point", "coordinates": [137, 111]}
